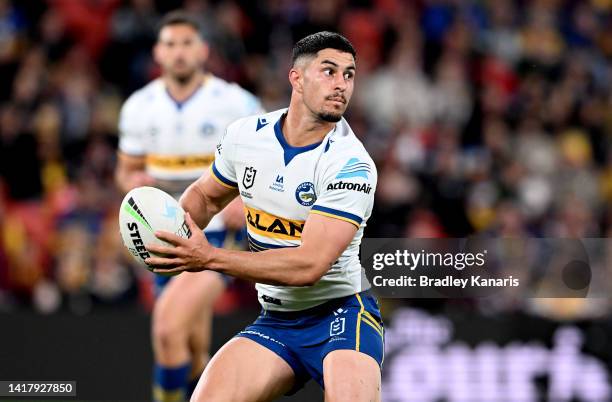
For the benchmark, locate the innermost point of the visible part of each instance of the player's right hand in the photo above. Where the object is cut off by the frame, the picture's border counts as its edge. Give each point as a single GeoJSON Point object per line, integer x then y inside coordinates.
{"type": "Point", "coordinates": [192, 254]}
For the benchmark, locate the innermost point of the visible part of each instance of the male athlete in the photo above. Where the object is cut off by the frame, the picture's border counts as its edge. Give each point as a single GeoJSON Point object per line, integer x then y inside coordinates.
{"type": "Point", "coordinates": [169, 130]}
{"type": "Point", "coordinates": [307, 185]}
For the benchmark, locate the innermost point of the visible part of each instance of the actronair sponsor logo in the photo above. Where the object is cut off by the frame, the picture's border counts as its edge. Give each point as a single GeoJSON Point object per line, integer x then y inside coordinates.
{"type": "Point", "coordinates": [343, 185]}
{"type": "Point", "coordinates": [354, 168]}
{"type": "Point", "coordinates": [133, 210]}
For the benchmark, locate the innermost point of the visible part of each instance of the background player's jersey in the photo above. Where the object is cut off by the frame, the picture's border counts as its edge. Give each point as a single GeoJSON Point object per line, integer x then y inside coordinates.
{"type": "Point", "coordinates": [280, 185]}
{"type": "Point", "coordinates": [178, 139]}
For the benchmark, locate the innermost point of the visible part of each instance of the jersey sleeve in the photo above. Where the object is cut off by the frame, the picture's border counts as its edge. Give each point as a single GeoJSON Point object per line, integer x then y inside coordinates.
{"type": "Point", "coordinates": [346, 190]}
{"type": "Point", "coordinates": [222, 168]}
{"type": "Point", "coordinates": [131, 131]}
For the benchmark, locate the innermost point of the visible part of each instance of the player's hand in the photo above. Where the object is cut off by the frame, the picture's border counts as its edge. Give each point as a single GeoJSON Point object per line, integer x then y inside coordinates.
{"type": "Point", "coordinates": [184, 254]}
{"type": "Point", "coordinates": [233, 215]}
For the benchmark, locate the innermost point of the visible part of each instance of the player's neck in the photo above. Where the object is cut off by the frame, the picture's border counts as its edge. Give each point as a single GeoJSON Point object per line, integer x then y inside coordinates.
{"type": "Point", "coordinates": [181, 91]}
{"type": "Point", "coordinates": [301, 129]}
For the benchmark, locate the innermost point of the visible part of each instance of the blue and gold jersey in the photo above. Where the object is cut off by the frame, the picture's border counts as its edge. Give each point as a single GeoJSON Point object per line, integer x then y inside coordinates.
{"type": "Point", "coordinates": [178, 139]}
{"type": "Point", "coordinates": [280, 185]}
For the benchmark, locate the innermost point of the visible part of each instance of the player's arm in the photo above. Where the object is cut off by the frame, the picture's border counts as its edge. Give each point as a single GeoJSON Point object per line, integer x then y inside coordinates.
{"type": "Point", "coordinates": [131, 158]}
{"type": "Point", "coordinates": [323, 241]}
{"type": "Point", "coordinates": [217, 187]}
{"type": "Point", "coordinates": [205, 197]}
{"type": "Point", "coordinates": [130, 172]}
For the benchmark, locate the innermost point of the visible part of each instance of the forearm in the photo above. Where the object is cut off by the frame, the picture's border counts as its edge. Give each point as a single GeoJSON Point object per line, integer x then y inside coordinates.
{"type": "Point", "coordinates": [323, 242]}
{"type": "Point", "coordinates": [204, 198]}
{"type": "Point", "coordinates": [122, 180]}
{"type": "Point", "coordinates": [292, 266]}
{"type": "Point", "coordinates": [199, 205]}
{"type": "Point", "coordinates": [130, 173]}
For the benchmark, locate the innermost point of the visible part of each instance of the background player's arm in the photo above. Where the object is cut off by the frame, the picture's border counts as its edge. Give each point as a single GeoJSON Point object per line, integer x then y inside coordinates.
{"type": "Point", "coordinates": [130, 172]}
{"type": "Point", "coordinates": [131, 157]}
{"type": "Point", "coordinates": [233, 215]}
{"type": "Point", "coordinates": [323, 241]}
{"type": "Point", "coordinates": [204, 198]}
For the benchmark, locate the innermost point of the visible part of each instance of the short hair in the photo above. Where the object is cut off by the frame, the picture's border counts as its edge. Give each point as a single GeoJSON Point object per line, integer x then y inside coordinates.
{"type": "Point", "coordinates": [179, 17]}
{"type": "Point", "coordinates": [312, 44]}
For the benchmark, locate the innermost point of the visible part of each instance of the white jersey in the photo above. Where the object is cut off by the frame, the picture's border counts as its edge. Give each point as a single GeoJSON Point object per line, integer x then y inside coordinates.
{"type": "Point", "coordinates": [280, 185]}
{"type": "Point", "coordinates": [178, 139]}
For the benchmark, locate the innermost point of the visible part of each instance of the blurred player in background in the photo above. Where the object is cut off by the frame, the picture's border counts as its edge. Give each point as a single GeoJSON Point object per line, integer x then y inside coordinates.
{"type": "Point", "coordinates": [169, 130]}
{"type": "Point", "coordinates": [308, 185]}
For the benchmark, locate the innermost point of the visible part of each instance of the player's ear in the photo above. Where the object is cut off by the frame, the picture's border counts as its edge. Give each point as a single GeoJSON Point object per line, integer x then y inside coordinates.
{"type": "Point", "coordinates": [205, 50]}
{"type": "Point", "coordinates": [157, 52]}
{"type": "Point", "coordinates": [296, 78]}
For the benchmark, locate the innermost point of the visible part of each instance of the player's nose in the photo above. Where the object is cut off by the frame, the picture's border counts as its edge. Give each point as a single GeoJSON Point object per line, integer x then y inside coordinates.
{"type": "Point", "coordinates": [340, 83]}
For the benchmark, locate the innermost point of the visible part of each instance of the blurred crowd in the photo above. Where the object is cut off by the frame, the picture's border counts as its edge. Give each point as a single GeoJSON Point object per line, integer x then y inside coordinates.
{"type": "Point", "coordinates": [490, 116]}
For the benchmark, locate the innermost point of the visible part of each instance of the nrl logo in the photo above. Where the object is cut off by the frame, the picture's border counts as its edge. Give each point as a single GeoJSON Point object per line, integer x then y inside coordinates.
{"type": "Point", "coordinates": [249, 177]}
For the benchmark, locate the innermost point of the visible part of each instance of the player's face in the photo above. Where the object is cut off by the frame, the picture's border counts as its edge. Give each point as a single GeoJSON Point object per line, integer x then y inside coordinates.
{"type": "Point", "coordinates": [328, 84]}
{"type": "Point", "coordinates": [180, 51]}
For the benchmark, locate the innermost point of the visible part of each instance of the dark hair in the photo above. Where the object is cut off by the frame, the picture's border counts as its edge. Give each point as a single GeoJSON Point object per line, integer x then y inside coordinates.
{"type": "Point", "coordinates": [179, 17]}
{"type": "Point", "coordinates": [312, 44]}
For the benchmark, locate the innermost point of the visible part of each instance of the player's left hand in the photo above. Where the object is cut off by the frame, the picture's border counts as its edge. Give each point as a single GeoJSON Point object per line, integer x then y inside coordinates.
{"type": "Point", "coordinates": [184, 255]}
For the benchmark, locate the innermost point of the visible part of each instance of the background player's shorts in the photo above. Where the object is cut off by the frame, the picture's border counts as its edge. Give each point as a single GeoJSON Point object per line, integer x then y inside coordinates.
{"type": "Point", "coordinates": [217, 238]}
{"type": "Point", "coordinates": [304, 338]}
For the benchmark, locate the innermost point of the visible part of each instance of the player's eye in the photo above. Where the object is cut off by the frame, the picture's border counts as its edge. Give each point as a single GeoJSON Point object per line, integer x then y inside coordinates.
{"type": "Point", "coordinates": [328, 71]}
{"type": "Point", "coordinates": [348, 75]}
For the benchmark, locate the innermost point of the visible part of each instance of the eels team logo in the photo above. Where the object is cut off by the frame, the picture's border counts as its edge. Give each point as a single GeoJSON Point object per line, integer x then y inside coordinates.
{"type": "Point", "coordinates": [305, 194]}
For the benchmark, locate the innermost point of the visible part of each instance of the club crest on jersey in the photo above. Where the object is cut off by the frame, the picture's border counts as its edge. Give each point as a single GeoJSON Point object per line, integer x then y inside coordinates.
{"type": "Point", "coordinates": [249, 176]}
{"type": "Point", "coordinates": [207, 129]}
{"type": "Point", "coordinates": [354, 168]}
{"type": "Point", "coordinates": [305, 194]}
{"type": "Point", "coordinates": [153, 132]}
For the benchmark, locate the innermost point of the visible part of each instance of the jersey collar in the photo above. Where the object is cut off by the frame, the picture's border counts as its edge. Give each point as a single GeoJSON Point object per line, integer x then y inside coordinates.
{"type": "Point", "coordinates": [180, 104]}
{"type": "Point", "coordinates": [290, 152]}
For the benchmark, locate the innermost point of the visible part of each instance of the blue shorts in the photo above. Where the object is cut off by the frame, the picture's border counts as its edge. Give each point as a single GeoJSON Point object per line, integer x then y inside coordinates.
{"type": "Point", "coordinates": [304, 338]}
{"type": "Point", "coordinates": [216, 238]}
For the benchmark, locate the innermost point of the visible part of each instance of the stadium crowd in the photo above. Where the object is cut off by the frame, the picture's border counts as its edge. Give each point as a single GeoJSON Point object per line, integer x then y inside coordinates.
{"type": "Point", "coordinates": [482, 116]}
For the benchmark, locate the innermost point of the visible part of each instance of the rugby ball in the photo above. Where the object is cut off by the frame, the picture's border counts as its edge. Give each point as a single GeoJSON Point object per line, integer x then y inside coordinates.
{"type": "Point", "coordinates": [143, 211]}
